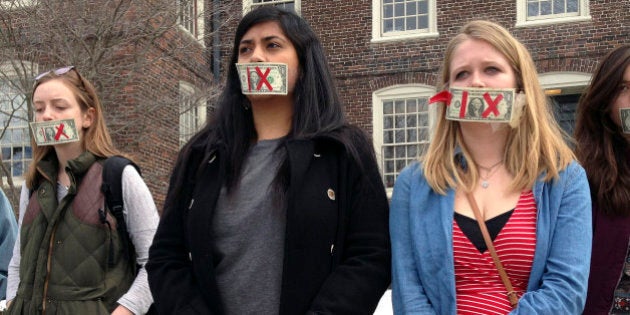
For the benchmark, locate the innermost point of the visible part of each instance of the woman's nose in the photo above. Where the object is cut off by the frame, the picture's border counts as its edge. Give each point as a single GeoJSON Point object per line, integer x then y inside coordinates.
{"type": "Point", "coordinates": [258, 55]}
{"type": "Point", "coordinates": [47, 114]}
{"type": "Point", "coordinates": [476, 80]}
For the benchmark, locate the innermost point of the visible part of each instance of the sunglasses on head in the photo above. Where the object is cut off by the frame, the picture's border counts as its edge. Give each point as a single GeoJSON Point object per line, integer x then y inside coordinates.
{"type": "Point", "coordinates": [58, 71]}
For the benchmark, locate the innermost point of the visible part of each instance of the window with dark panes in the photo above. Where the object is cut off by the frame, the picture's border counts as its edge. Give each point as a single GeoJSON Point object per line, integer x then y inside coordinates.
{"type": "Point", "coordinates": [404, 15]}
{"type": "Point", "coordinates": [405, 135]}
{"type": "Point", "coordinates": [537, 9]}
{"type": "Point", "coordinates": [564, 110]}
{"type": "Point", "coordinates": [15, 143]}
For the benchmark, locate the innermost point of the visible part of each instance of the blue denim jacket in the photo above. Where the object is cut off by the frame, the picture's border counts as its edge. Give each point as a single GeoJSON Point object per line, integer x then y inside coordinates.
{"type": "Point", "coordinates": [421, 227]}
{"type": "Point", "coordinates": [8, 234]}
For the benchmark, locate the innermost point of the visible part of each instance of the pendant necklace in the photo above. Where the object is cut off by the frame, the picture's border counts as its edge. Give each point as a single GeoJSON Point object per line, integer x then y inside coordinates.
{"type": "Point", "coordinates": [491, 170]}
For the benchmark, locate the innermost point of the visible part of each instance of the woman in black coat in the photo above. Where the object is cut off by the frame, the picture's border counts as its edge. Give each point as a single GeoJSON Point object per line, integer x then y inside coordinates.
{"type": "Point", "coordinates": [276, 206]}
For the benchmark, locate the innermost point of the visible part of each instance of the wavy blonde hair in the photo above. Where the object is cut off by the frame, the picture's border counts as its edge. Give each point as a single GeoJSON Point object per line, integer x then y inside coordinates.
{"type": "Point", "coordinates": [535, 144]}
{"type": "Point", "coordinates": [96, 138]}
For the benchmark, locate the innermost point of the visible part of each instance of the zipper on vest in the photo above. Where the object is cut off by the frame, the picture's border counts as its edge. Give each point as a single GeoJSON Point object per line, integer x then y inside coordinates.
{"type": "Point", "coordinates": [102, 215]}
{"type": "Point", "coordinates": [48, 267]}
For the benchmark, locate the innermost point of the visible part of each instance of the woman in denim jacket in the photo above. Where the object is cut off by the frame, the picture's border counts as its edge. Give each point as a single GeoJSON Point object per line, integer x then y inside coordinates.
{"type": "Point", "coordinates": [531, 193]}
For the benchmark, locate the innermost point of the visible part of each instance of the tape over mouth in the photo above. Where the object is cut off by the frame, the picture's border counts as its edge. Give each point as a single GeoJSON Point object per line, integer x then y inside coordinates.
{"type": "Point", "coordinates": [259, 78]}
{"type": "Point", "coordinates": [53, 132]}
{"type": "Point", "coordinates": [487, 105]}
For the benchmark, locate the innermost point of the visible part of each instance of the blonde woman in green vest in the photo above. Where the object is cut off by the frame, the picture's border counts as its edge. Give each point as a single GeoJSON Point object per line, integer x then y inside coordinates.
{"type": "Point", "coordinates": [69, 257]}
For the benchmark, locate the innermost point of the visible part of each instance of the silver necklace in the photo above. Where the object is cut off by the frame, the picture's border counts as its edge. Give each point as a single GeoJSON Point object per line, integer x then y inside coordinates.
{"type": "Point", "coordinates": [491, 170]}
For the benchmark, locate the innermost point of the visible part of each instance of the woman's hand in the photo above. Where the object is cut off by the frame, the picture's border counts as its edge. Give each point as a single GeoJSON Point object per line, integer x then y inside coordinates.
{"type": "Point", "coordinates": [4, 305]}
{"type": "Point", "coordinates": [121, 310]}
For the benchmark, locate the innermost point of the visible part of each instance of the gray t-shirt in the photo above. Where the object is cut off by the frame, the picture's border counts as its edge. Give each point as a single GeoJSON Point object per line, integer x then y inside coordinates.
{"type": "Point", "coordinates": [248, 234]}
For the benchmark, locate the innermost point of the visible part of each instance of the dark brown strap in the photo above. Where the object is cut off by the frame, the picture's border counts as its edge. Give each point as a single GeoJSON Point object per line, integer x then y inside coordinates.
{"type": "Point", "coordinates": [511, 294]}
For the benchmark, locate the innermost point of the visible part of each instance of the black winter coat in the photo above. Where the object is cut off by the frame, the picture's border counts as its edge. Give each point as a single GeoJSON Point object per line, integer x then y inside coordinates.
{"type": "Point", "coordinates": [337, 252]}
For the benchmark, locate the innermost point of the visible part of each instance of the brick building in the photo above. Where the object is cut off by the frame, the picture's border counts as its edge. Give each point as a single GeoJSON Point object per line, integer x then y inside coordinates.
{"type": "Point", "coordinates": [154, 79]}
{"type": "Point", "coordinates": [386, 57]}
{"type": "Point", "coordinates": [387, 54]}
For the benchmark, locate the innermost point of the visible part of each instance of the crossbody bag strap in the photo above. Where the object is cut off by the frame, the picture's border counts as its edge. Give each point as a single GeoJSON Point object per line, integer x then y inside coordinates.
{"type": "Point", "coordinates": [511, 294]}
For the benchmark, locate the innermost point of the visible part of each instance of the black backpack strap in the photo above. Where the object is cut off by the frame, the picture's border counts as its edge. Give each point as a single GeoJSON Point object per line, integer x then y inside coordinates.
{"type": "Point", "coordinates": [112, 190]}
{"type": "Point", "coordinates": [111, 187]}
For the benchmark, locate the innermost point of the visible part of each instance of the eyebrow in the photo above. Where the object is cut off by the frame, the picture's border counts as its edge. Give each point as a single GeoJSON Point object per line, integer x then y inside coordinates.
{"type": "Point", "coordinates": [52, 101]}
{"type": "Point", "coordinates": [265, 39]}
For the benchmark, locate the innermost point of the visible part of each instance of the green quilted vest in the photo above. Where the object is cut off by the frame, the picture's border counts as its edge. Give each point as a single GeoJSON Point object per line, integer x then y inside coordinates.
{"type": "Point", "coordinates": [72, 262]}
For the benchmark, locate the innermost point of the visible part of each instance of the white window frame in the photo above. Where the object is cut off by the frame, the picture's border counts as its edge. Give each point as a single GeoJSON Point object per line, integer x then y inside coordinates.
{"type": "Point", "coordinates": [16, 4]}
{"type": "Point", "coordinates": [377, 25]}
{"type": "Point", "coordinates": [403, 91]}
{"type": "Point", "coordinates": [14, 68]}
{"type": "Point", "coordinates": [197, 23]}
{"type": "Point", "coordinates": [191, 118]}
{"type": "Point", "coordinates": [522, 20]}
{"type": "Point", "coordinates": [557, 84]}
{"type": "Point", "coordinates": [249, 5]}
{"type": "Point", "coordinates": [563, 80]}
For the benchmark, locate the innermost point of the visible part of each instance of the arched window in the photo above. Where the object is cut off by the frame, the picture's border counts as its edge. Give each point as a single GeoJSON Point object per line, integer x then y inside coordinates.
{"type": "Point", "coordinates": [564, 90]}
{"type": "Point", "coordinates": [401, 124]}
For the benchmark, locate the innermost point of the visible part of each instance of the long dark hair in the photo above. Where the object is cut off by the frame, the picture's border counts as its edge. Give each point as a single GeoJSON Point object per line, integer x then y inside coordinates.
{"type": "Point", "coordinates": [317, 108]}
{"type": "Point", "coordinates": [601, 147]}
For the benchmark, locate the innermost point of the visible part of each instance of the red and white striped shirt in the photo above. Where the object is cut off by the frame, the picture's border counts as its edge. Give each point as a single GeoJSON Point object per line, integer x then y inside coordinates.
{"type": "Point", "coordinates": [478, 285]}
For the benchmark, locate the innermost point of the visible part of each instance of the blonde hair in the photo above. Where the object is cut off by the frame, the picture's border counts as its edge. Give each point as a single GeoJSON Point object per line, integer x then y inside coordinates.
{"type": "Point", "coordinates": [96, 138]}
{"type": "Point", "coordinates": [535, 144]}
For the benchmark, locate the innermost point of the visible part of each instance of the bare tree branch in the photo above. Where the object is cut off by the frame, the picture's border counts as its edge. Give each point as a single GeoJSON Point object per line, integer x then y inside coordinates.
{"type": "Point", "coordinates": [117, 45]}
